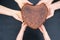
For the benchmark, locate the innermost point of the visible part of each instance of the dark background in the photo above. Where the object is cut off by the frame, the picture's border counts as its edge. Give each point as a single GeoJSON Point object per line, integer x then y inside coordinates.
{"type": "Point", "coordinates": [9, 27]}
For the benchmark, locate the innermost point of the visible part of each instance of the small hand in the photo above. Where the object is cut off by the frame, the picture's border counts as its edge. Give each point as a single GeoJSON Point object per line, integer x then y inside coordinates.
{"type": "Point", "coordinates": [51, 7]}
{"type": "Point", "coordinates": [10, 12]}
{"type": "Point", "coordinates": [44, 32]}
{"type": "Point", "coordinates": [22, 2]}
{"type": "Point", "coordinates": [21, 33]}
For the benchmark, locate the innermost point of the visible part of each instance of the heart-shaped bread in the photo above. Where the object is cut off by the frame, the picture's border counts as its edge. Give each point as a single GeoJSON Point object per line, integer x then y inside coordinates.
{"type": "Point", "coordinates": [34, 15]}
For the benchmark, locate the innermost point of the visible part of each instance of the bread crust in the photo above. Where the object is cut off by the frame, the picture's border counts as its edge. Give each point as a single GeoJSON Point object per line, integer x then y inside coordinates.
{"type": "Point", "coordinates": [34, 15]}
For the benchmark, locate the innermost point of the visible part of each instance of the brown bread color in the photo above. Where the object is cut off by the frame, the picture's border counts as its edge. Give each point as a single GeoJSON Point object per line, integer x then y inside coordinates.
{"type": "Point", "coordinates": [34, 15]}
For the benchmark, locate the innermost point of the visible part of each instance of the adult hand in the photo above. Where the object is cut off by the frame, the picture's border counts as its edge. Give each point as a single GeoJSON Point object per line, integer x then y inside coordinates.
{"type": "Point", "coordinates": [10, 12]}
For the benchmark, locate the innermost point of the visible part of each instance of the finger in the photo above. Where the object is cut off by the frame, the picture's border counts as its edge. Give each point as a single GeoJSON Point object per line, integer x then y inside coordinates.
{"type": "Point", "coordinates": [39, 2]}
{"type": "Point", "coordinates": [10, 12]}
{"type": "Point", "coordinates": [45, 1]}
{"type": "Point", "coordinates": [42, 28]}
{"type": "Point", "coordinates": [26, 1]}
{"type": "Point", "coordinates": [48, 1]}
{"type": "Point", "coordinates": [22, 2]}
{"type": "Point", "coordinates": [18, 16]}
{"type": "Point", "coordinates": [50, 14]}
{"type": "Point", "coordinates": [21, 33]}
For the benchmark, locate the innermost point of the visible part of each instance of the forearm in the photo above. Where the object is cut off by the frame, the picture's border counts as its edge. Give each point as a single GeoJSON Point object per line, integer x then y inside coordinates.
{"type": "Point", "coordinates": [46, 36]}
{"type": "Point", "coordinates": [6, 11]}
{"type": "Point", "coordinates": [21, 33]}
{"type": "Point", "coordinates": [55, 5]}
{"type": "Point", "coordinates": [20, 3]}
{"type": "Point", "coordinates": [44, 32]}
